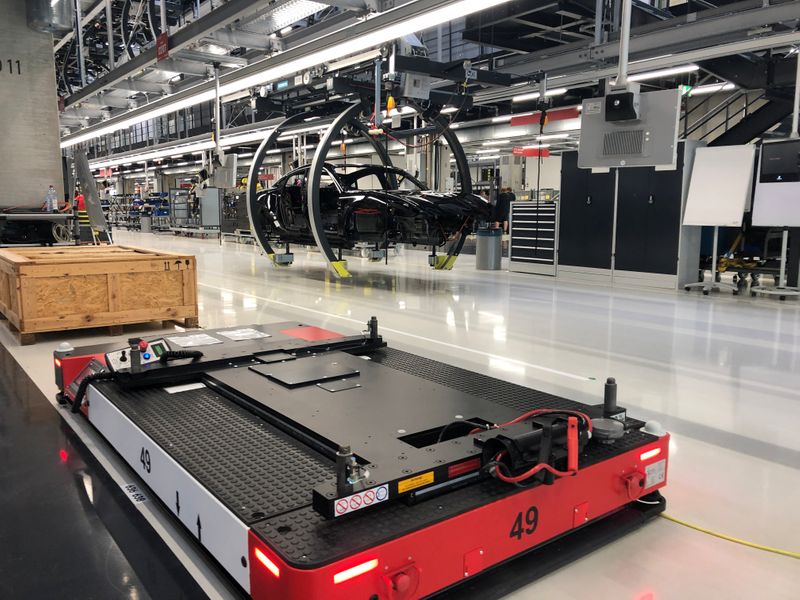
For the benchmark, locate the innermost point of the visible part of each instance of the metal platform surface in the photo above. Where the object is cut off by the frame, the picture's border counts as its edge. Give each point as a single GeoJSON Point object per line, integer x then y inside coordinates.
{"type": "Point", "coordinates": [265, 477]}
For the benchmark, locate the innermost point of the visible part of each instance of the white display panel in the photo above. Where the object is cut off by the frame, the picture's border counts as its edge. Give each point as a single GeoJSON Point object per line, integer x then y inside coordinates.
{"type": "Point", "coordinates": [777, 197]}
{"type": "Point", "coordinates": [720, 187]}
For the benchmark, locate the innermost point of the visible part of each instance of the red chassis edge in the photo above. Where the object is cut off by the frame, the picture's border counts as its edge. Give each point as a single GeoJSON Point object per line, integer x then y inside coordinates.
{"type": "Point", "coordinates": [431, 559]}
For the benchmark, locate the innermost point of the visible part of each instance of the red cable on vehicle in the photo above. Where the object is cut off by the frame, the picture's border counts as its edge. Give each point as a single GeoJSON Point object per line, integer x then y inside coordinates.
{"type": "Point", "coordinates": [542, 411]}
{"type": "Point", "coordinates": [572, 454]}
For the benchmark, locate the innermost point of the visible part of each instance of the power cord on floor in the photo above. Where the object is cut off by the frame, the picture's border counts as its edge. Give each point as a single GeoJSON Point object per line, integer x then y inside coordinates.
{"type": "Point", "coordinates": [729, 538]}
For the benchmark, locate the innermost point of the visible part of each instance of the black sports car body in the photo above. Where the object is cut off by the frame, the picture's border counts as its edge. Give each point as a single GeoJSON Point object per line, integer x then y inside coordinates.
{"type": "Point", "coordinates": [368, 204]}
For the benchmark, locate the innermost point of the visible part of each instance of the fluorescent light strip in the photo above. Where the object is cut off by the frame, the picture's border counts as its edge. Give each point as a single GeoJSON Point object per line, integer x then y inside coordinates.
{"type": "Point", "coordinates": [662, 73]}
{"type": "Point", "coordinates": [447, 110]}
{"type": "Point", "coordinates": [712, 88]}
{"type": "Point", "coordinates": [553, 136]}
{"type": "Point", "coordinates": [354, 45]}
{"type": "Point", "coordinates": [497, 143]}
{"type": "Point", "coordinates": [535, 95]}
{"type": "Point", "coordinates": [151, 114]}
{"type": "Point", "coordinates": [243, 138]}
{"type": "Point", "coordinates": [198, 148]}
{"type": "Point", "coordinates": [167, 152]}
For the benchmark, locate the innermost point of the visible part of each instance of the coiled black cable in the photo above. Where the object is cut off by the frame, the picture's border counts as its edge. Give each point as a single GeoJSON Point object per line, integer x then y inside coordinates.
{"type": "Point", "coordinates": [101, 376]}
{"type": "Point", "coordinates": [179, 354]}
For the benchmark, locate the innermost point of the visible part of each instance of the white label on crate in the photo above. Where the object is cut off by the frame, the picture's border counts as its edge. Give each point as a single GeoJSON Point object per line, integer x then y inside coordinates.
{"type": "Point", "coordinates": [655, 473]}
{"type": "Point", "coordinates": [361, 500]}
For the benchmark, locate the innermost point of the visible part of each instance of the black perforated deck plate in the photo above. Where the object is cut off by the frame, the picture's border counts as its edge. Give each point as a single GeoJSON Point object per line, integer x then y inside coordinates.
{"type": "Point", "coordinates": [265, 477]}
{"type": "Point", "coordinates": [305, 539]}
{"type": "Point", "coordinates": [254, 469]}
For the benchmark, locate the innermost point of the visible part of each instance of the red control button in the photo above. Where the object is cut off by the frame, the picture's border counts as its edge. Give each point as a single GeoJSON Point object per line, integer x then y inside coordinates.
{"type": "Point", "coordinates": [142, 345]}
{"type": "Point", "coordinates": [401, 583]}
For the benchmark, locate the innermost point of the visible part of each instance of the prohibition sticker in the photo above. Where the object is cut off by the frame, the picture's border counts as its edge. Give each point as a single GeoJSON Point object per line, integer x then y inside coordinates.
{"type": "Point", "coordinates": [360, 500]}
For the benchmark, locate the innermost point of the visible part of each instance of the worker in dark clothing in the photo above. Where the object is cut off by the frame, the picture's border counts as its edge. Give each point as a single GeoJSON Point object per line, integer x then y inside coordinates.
{"type": "Point", "coordinates": [502, 208]}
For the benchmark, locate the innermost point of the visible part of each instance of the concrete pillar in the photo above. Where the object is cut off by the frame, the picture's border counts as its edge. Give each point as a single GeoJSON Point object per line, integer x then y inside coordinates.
{"type": "Point", "coordinates": [30, 156]}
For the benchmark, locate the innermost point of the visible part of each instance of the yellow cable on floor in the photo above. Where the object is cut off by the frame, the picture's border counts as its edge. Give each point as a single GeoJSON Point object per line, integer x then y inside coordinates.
{"type": "Point", "coordinates": [731, 538]}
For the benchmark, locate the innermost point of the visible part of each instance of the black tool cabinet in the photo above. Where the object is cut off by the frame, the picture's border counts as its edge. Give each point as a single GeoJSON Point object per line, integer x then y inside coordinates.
{"type": "Point", "coordinates": [587, 215]}
{"type": "Point", "coordinates": [648, 218]}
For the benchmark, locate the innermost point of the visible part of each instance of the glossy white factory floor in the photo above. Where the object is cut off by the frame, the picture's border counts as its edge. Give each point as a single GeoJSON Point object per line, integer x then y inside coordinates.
{"type": "Point", "coordinates": [720, 372]}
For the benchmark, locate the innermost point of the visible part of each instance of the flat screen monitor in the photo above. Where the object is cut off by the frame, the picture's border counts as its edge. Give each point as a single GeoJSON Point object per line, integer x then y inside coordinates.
{"type": "Point", "coordinates": [780, 161]}
{"type": "Point", "coordinates": [777, 198]}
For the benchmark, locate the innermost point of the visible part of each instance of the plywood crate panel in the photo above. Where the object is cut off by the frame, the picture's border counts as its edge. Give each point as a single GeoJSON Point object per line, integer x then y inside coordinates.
{"type": "Point", "coordinates": [51, 289]}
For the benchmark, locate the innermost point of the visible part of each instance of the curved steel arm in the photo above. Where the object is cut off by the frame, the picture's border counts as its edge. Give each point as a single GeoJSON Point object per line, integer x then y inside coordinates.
{"type": "Point", "coordinates": [339, 267]}
{"type": "Point", "coordinates": [253, 207]}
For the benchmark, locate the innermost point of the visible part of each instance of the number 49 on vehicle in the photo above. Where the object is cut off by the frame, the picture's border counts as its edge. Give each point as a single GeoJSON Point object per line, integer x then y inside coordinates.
{"type": "Point", "coordinates": [525, 524]}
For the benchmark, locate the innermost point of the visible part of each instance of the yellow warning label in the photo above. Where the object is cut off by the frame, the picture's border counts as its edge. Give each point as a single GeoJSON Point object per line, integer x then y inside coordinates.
{"type": "Point", "coordinates": [413, 483]}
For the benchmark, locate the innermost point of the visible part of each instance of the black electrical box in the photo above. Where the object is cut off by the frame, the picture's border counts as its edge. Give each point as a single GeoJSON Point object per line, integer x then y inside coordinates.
{"type": "Point", "coordinates": [622, 106]}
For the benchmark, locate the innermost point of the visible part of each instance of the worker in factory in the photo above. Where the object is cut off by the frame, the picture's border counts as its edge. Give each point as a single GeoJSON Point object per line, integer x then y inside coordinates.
{"type": "Point", "coordinates": [502, 208]}
{"type": "Point", "coordinates": [50, 203]}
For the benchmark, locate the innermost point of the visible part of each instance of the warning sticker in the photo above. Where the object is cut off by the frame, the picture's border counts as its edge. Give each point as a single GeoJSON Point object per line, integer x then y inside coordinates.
{"type": "Point", "coordinates": [655, 473]}
{"type": "Point", "coordinates": [592, 107]}
{"type": "Point", "coordinates": [413, 483]}
{"type": "Point", "coordinates": [361, 500]}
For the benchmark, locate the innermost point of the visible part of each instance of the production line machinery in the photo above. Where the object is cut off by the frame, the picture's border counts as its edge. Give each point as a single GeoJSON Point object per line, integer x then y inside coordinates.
{"type": "Point", "coordinates": [313, 464]}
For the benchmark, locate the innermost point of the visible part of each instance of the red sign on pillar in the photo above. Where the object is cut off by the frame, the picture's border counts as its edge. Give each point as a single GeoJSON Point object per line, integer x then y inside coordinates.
{"type": "Point", "coordinates": [162, 46]}
{"type": "Point", "coordinates": [532, 152]}
{"type": "Point", "coordinates": [558, 114]}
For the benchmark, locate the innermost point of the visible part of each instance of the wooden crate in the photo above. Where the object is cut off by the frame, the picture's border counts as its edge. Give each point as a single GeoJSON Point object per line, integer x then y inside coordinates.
{"type": "Point", "coordinates": [53, 289]}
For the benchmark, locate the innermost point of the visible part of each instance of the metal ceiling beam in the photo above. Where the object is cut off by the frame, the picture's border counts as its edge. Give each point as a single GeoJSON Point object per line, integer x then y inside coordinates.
{"type": "Point", "coordinates": [87, 18]}
{"type": "Point", "coordinates": [210, 58]}
{"type": "Point", "coordinates": [319, 43]}
{"type": "Point", "coordinates": [104, 100]}
{"type": "Point", "coordinates": [592, 75]}
{"type": "Point", "coordinates": [244, 39]}
{"type": "Point", "coordinates": [560, 30]}
{"type": "Point", "coordinates": [223, 15]}
{"type": "Point", "coordinates": [692, 31]}
{"type": "Point", "coordinates": [137, 85]}
{"type": "Point", "coordinates": [186, 67]}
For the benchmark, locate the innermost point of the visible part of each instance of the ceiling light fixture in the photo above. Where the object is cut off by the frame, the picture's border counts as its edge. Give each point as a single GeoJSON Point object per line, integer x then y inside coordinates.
{"type": "Point", "coordinates": [497, 143]}
{"type": "Point", "coordinates": [711, 88]}
{"type": "Point", "coordinates": [661, 73]}
{"type": "Point", "coordinates": [535, 95]}
{"type": "Point", "coordinates": [353, 45]}
{"type": "Point", "coordinates": [553, 136]}
{"type": "Point", "coordinates": [145, 156]}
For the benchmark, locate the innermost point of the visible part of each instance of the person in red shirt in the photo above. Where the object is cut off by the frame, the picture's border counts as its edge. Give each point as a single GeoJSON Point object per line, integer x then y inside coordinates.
{"type": "Point", "coordinates": [80, 201]}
